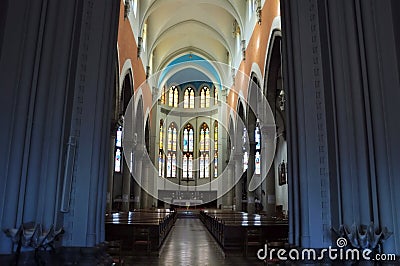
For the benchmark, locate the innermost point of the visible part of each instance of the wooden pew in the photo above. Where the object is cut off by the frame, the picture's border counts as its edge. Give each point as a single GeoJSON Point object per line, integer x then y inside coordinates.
{"type": "Point", "coordinates": [140, 227]}
{"type": "Point", "coordinates": [239, 230]}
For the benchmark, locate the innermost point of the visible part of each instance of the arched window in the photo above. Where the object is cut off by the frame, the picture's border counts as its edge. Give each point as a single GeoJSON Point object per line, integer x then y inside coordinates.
{"type": "Point", "coordinates": [205, 97]}
{"type": "Point", "coordinates": [257, 139]}
{"type": "Point", "coordinates": [173, 96]}
{"type": "Point", "coordinates": [161, 157]}
{"type": "Point", "coordinates": [215, 96]}
{"type": "Point", "coordinates": [188, 98]}
{"type": "Point", "coordinates": [187, 160]}
{"type": "Point", "coordinates": [171, 156]}
{"type": "Point", "coordinates": [215, 149]}
{"type": "Point", "coordinates": [118, 151]}
{"type": "Point", "coordinates": [163, 95]}
{"type": "Point", "coordinates": [204, 160]}
{"type": "Point", "coordinates": [245, 152]}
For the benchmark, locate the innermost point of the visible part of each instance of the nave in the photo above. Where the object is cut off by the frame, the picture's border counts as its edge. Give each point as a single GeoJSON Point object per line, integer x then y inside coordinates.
{"type": "Point", "coordinates": [191, 82]}
{"type": "Point", "coordinates": [189, 243]}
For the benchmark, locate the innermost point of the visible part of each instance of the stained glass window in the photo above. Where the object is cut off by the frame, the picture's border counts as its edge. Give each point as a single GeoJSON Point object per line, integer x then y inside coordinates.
{"type": "Point", "coordinates": [172, 147]}
{"type": "Point", "coordinates": [244, 147]}
{"type": "Point", "coordinates": [118, 139]}
{"type": "Point", "coordinates": [187, 159]}
{"type": "Point", "coordinates": [161, 164]}
{"type": "Point", "coordinates": [206, 165]}
{"type": "Point", "coordinates": [118, 151]}
{"type": "Point", "coordinates": [188, 99]}
{"type": "Point", "coordinates": [163, 95]}
{"type": "Point", "coordinates": [174, 139]}
{"type": "Point", "coordinates": [190, 167]}
{"type": "Point", "coordinates": [173, 96]}
{"type": "Point", "coordinates": [185, 166]}
{"type": "Point", "coordinates": [173, 165]}
{"type": "Point", "coordinates": [191, 140]}
{"type": "Point", "coordinates": [257, 163]}
{"type": "Point", "coordinates": [257, 136]}
{"type": "Point", "coordinates": [201, 166]}
{"type": "Point", "coordinates": [169, 164]}
{"type": "Point", "coordinates": [169, 138]}
{"type": "Point", "coordinates": [185, 140]}
{"type": "Point", "coordinates": [161, 141]}
{"type": "Point", "coordinates": [176, 97]}
{"type": "Point", "coordinates": [205, 97]}
{"type": "Point", "coordinates": [216, 149]}
{"type": "Point", "coordinates": [204, 159]}
{"type": "Point", "coordinates": [191, 101]}
{"type": "Point", "coordinates": [257, 139]}
{"type": "Point", "coordinates": [245, 160]}
{"type": "Point", "coordinates": [215, 165]}
{"type": "Point", "coordinates": [117, 167]}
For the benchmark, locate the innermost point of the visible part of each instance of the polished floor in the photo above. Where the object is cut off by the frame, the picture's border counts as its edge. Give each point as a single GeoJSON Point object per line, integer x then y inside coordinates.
{"type": "Point", "coordinates": [188, 244]}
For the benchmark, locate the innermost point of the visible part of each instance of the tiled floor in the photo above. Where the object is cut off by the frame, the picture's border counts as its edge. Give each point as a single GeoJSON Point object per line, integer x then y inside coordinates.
{"type": "Point", "coordinates": [189, 244]}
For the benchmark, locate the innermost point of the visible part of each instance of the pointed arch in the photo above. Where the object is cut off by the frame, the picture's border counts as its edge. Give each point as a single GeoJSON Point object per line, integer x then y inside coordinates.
{"type": "Point", "coordinates": [205, 97]}
{"type": "Point", "coordinates": [188, 98]}
{"type": "Point", "coordinates": [172, 150]}
{"type": "Point", "coordinates": [204, 156]}
{"type": "Point", "coordinates": [188, 151]}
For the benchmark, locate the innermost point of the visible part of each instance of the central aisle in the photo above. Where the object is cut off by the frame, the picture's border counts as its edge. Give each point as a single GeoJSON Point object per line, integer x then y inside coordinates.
{"type": "Point", "coordinates": [190, 244]}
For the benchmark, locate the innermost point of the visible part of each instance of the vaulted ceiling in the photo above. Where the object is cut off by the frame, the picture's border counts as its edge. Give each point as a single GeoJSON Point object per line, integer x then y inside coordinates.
{"type": "Point", "coordinates": [172, 29]}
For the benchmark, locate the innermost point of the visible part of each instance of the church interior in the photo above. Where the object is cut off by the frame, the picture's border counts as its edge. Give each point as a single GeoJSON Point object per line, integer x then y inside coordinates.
{"type": "Point", "coordinates": [206, 132]}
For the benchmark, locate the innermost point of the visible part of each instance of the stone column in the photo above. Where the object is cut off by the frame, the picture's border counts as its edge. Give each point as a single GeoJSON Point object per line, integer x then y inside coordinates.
{"type": "Point", "coordinates": [268, 185]}
{"type": "Point", "coordinates": [238, 168]}
{"type": "Point", "coordinates": [304, 72]}
{"type": "Point", "coordinates": [250, 174]}
{"type": "Point", "coordinates": [228, 181]}
{"type": "Point", "coordinates": [146, 181]}
{"type": "Point", "coordinates": [137, 172]}
{"type": "Point", "coordinates": [126, 185]}
{"type": "Point", "coordinates": [110, 179]}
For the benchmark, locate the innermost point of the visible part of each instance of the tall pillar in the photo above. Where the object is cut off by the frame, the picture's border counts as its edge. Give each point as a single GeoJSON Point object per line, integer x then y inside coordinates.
{"type": "Point", "coordinates": [304, 74]}
{"type": "Point", "coordinates": [145, 197]}
{"type": "Point", "coordinates": [250, 174]}
{"type": "Point", "coordinates": [238, 168]}
{"type": "Point", "coordinates": [268, 185]}
{"type": "Point", "coordinates": [137, 187]}
{"type": "Point", "coordinates": [126, 186]}
{"type": "Point", "coordinates": [229, 179]}
{"type": "Point", "coordinates": [110, 179]}
{"type": "Point", "coordinates": [56, 133]}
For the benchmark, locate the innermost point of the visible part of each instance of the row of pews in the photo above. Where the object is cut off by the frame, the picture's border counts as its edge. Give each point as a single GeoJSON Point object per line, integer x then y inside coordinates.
{"type": "Point", "coordinates": [139, 230]}
{"type": "Point", "coordinates": [238, 231]}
